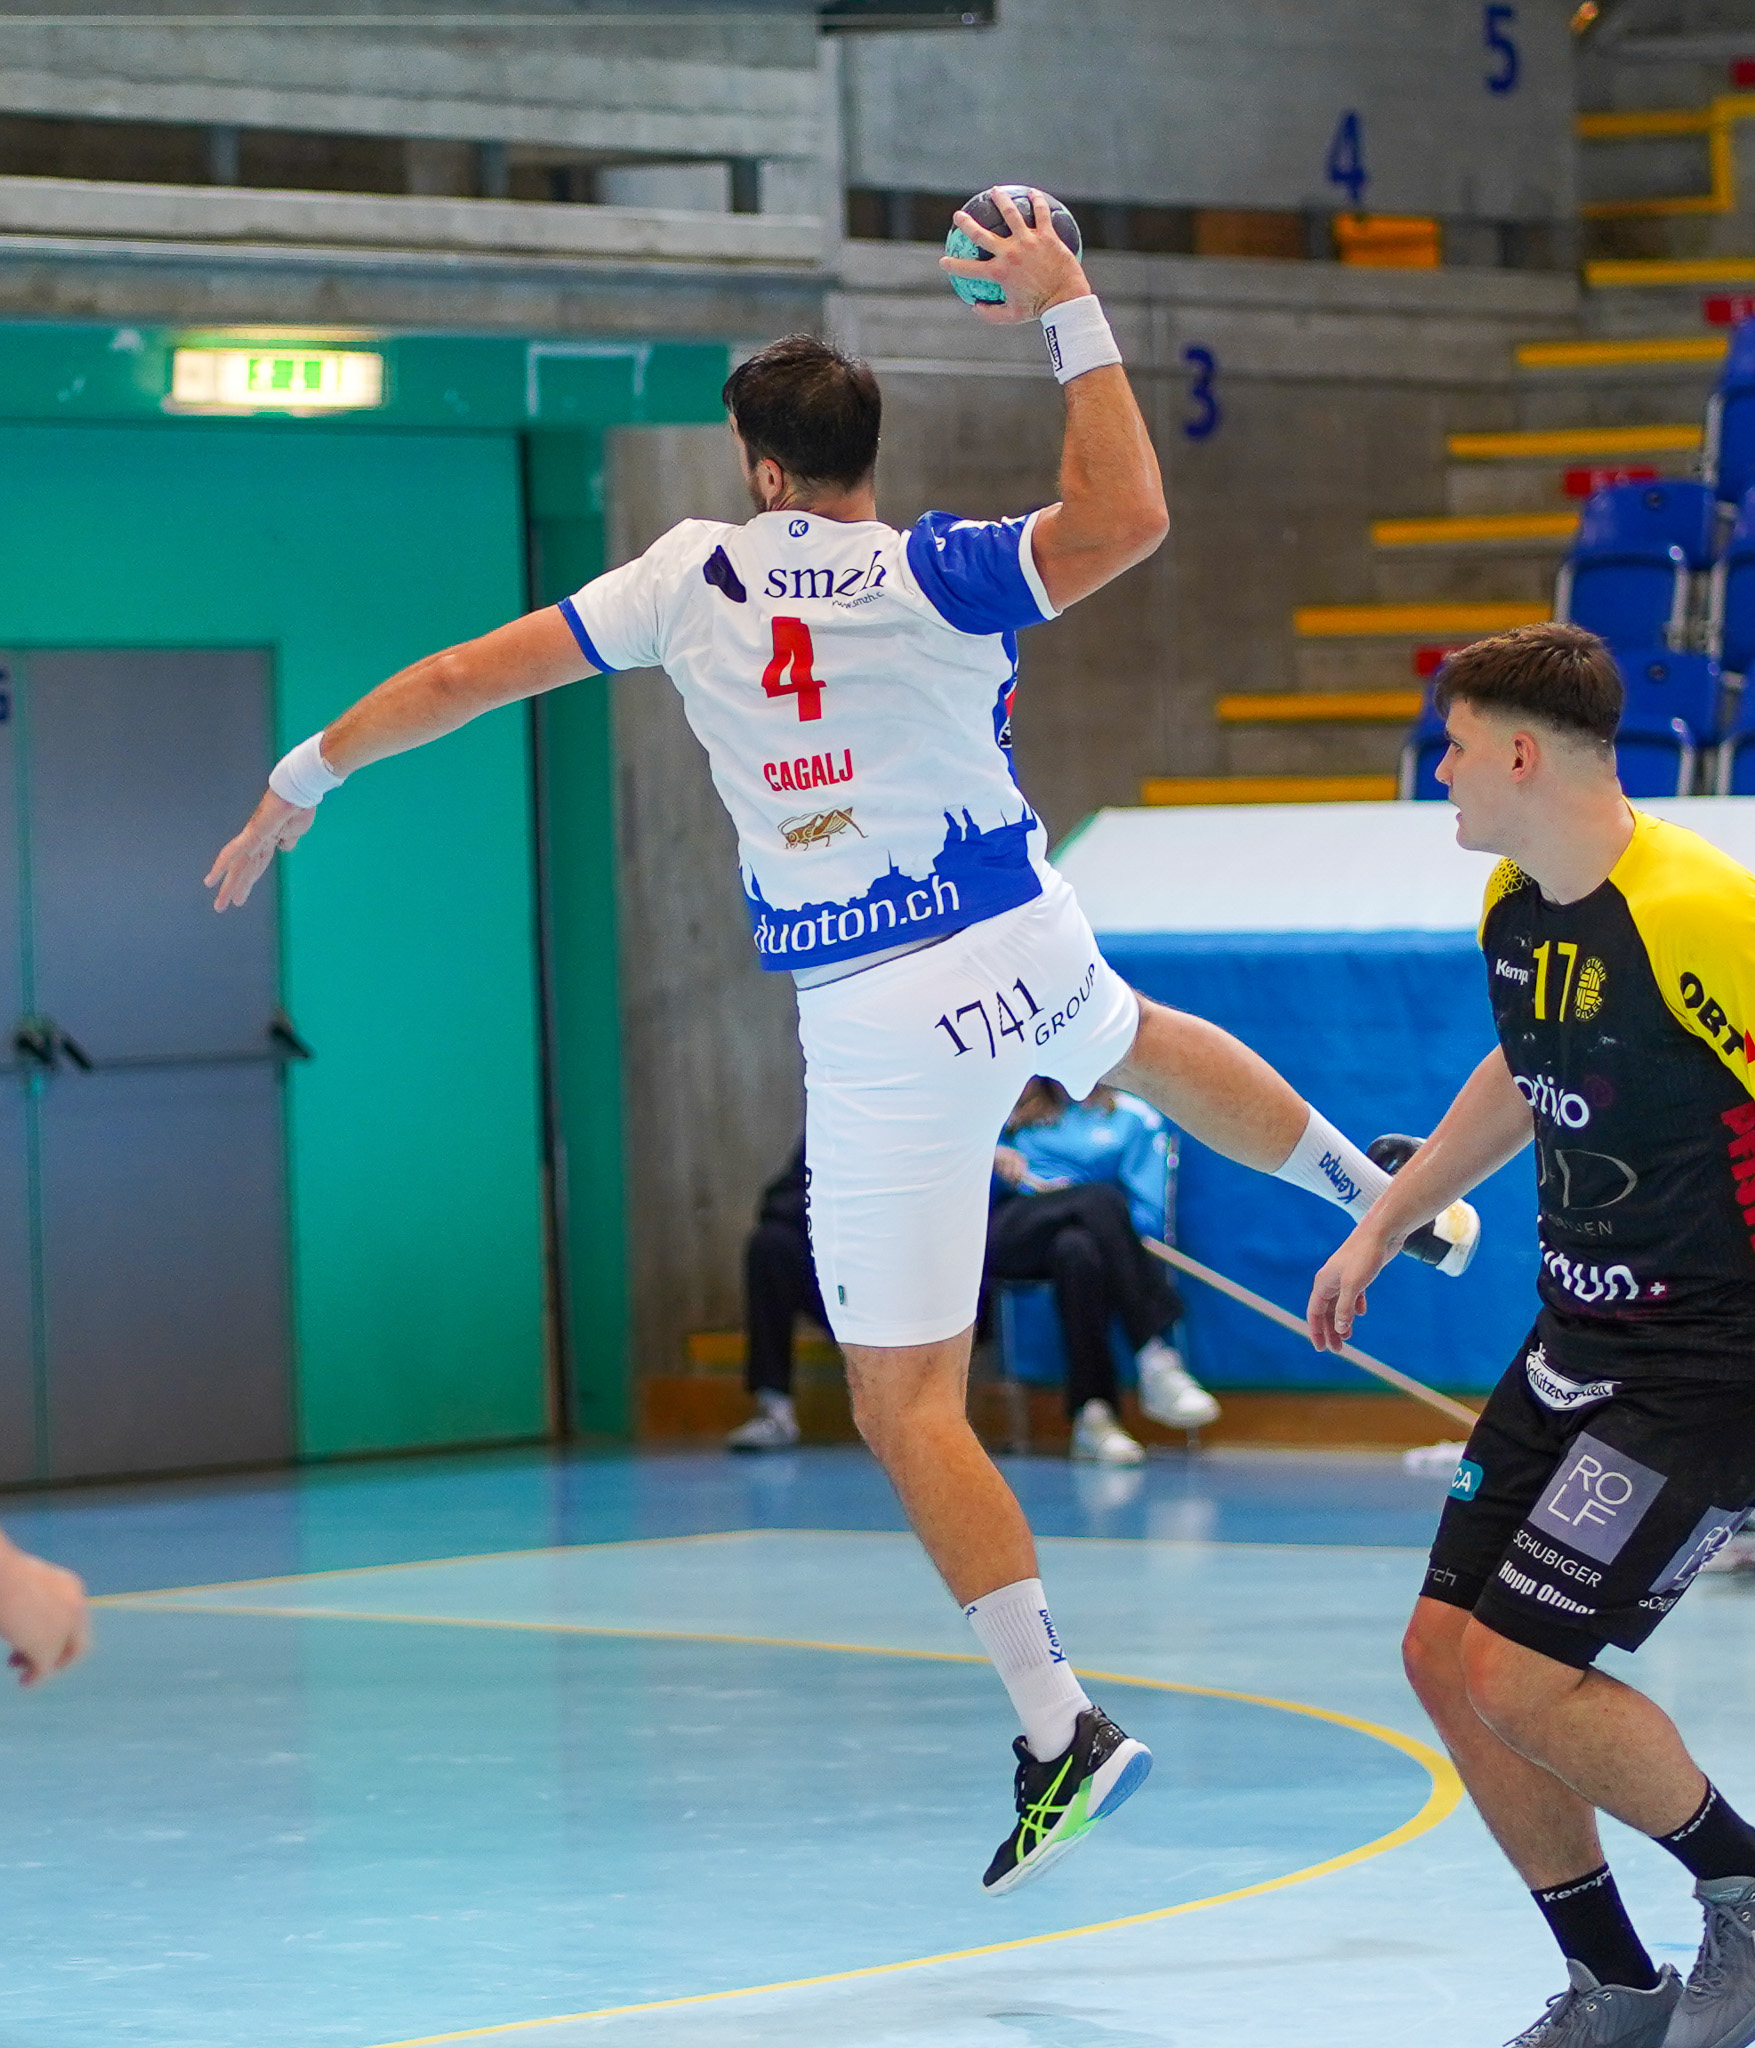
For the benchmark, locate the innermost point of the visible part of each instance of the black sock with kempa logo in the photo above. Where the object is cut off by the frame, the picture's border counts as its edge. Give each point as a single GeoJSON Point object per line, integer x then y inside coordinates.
{"type": "Point", "coordinates": [1717, 1842]}
{"type": "Point", "coordinates": [1586, 1917]}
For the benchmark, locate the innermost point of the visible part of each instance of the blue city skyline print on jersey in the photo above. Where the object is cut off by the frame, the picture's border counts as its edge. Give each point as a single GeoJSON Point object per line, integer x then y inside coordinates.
{"type": "Point", "coordinates": [975, 876]}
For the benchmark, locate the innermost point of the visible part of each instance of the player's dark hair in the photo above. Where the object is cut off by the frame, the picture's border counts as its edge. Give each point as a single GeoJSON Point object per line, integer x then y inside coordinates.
{"type": "Point", "coordinates": [804, 404]}
{"type": "Point", "coordinates": [1560, 676]}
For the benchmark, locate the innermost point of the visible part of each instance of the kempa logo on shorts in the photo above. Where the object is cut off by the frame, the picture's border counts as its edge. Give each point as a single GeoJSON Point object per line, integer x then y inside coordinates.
{"type": "Point", "coordinates": [1597, 1498]}
{"type": "Point", "coordinates": [1561, 1394]}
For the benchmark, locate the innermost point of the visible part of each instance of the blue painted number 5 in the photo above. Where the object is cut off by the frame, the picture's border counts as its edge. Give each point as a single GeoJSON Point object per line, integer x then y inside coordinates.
{"type": "Point", "coordinates": [1496, 23]}
{"type": "Point", "coordinates": [1203, 368]}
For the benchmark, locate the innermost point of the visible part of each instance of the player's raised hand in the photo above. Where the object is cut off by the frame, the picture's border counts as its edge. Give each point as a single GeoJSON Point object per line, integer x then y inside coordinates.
{"type": "Point", "coordinates": [1337, 1295]}
{"type": "Point", "coordinates": [43, 1614]}
{"type": "Point", "coordinates": [1032, 263]}
{"type": "Point", "coordinates": [274, 825]}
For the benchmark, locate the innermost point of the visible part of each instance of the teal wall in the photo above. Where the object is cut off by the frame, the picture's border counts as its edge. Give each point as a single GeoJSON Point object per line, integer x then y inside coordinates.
{"type": "Point", "coordinates": [407, 914]}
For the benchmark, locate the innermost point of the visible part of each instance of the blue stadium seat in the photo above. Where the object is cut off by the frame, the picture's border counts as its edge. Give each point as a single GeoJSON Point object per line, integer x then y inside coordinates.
{"type": "Point", "coordinates": [1422, 751]}
{"type": "Point", "coordinates": [1730, 420]}
{"type": "Point", "coordinates": [1730, 628]}
{"type": "Point", "coordinates": [1735, 767]}
{"type": "Point", "coordinates": [1662, 686]}
{"type": "Point", "coordinates": [1655, 759]}
{"type": "Point", "coordinates": [1642, 522]}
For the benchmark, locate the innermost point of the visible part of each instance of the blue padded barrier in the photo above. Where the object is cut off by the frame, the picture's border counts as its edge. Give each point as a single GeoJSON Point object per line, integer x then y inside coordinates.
{"type": "Point", "coordinates": [1379, 1030]}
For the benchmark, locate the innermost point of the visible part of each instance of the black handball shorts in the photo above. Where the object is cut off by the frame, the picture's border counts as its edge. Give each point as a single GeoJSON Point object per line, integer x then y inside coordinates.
{"type": "Point", "coordinates": [1585, 1503]}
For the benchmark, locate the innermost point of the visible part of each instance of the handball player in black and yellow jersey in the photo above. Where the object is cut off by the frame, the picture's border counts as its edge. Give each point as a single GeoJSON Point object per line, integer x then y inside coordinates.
{"type": "Point", "coordinates": [1618, 1452]}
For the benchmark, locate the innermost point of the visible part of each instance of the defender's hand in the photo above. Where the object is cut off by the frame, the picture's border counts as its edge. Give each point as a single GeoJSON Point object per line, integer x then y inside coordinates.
{"type": "Point", "coordinates": [43, 1614]}
{"type": "Point", "coordinates": [274, 824]}
{"type": "Point", "coordinates": [1033, 264]}
{"type": "Point", "coordinates": [1337, 1294]}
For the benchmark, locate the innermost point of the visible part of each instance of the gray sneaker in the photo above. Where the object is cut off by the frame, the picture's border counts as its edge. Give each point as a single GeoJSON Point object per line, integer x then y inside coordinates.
{"type": "Point", "coordinates": [1718, 2004]}
{"type": "Point", "coordinates": [1593, 2015]}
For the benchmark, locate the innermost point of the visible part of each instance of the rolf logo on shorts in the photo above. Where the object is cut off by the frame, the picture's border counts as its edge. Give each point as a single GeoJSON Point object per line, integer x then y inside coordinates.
{"type": "Point", "coordinates": [1596, 1500]}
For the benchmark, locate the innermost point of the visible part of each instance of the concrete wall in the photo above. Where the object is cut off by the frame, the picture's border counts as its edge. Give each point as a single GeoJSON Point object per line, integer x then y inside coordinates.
{"type": "Point", "coordinates": [1177, 102]}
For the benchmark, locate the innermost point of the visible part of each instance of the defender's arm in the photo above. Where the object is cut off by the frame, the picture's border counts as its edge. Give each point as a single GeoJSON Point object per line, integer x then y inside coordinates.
{"type": "Point", "coordinates": [423, 702]}
{"type": "Point", "coordinates": [1111, 512]}
{"type": "Point", "coordinates": [1487, 1124]}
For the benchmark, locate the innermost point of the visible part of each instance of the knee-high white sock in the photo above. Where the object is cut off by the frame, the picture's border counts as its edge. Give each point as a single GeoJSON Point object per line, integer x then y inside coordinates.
{"type": "Point", "coordinates": [1333, 1167]}
{"type": "Point", "coordinates": [1013, 1627]}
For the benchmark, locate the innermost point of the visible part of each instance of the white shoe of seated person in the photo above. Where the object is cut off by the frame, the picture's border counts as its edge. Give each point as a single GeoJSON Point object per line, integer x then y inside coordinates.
{"type": "Point", "coordinates": [1169, 1392]}
{"type": "Point", "coordinates": [774, 1427]}
{"type": "Point", "coordinates": [1100, 1439]}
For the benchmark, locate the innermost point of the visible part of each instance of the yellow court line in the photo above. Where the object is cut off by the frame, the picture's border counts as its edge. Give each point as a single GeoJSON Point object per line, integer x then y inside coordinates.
{"type": "Point", "coordinates": [419, 1564]}
{"type": "Point", "coordinates": [1443, 1797]}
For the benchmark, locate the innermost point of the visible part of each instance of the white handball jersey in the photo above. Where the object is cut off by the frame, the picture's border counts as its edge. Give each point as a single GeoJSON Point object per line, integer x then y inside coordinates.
{"type": "Point", "coordinates": [852, 686]}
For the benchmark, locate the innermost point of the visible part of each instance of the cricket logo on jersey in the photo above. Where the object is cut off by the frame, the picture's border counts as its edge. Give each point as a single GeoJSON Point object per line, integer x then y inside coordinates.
{"type": "Point", "coordinates": [817, 828]}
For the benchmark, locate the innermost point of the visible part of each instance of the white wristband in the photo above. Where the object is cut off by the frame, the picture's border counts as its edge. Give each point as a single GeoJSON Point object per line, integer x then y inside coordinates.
{"type": "Point", "coordinates": [1078, 337]}
{"type": "Point", "coordinates": [303, 777]}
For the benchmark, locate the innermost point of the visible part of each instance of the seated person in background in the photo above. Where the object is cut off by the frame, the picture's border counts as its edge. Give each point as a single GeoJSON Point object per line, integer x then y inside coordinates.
{"type": "Point", "coordinates": [1076, 1186]}
{"type": "Point", "coordinates": [780, 1280]}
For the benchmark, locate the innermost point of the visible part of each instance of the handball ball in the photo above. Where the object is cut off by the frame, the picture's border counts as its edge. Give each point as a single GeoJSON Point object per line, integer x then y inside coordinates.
{"type": "Point", "coordinates": [977, 290]}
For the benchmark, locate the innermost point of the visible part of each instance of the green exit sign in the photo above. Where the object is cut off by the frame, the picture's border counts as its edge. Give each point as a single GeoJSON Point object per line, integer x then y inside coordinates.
{"type": "Point", "coordinates": [276, 379]}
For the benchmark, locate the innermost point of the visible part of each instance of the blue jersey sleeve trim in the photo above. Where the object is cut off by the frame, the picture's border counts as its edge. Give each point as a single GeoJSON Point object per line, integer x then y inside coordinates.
{"type": "Point", "coordinates": [576, 626]}
{"type": "Point", "coordinates": [972, 572]}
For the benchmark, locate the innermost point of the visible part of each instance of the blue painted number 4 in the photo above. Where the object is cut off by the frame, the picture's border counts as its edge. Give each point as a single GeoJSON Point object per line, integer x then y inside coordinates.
{"type": "Point", "coordinates": [1346, 158]}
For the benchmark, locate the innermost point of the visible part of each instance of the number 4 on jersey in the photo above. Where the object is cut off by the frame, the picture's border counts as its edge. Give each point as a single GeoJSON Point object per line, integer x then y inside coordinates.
{"type": "Point", "coordinates": [793, 649]}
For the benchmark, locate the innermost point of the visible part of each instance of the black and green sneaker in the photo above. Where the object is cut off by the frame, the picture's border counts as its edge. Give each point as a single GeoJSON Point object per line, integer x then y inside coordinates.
{"type": "Point", "coordinates": [1062, 1799]}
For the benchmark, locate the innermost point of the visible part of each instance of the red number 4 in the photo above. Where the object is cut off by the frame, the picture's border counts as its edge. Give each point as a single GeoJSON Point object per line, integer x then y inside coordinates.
{"type": "Point", "coordinates": [792, 649]}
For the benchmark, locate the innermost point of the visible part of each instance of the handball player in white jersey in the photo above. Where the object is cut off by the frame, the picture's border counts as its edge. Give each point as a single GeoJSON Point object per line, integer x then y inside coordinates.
{"type": "Point", "coordinates": [852, 686]}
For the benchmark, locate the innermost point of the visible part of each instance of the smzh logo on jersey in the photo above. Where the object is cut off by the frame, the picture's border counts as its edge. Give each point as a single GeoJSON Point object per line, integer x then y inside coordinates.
{"type": "Point", "coordinates": [1547, 1098]}
{"type": "Point", "coordinates": [817, 829]}
{"type": "Point", "coordinates": [1713, 1021]}
{"type": "Point", "coordinates": [1742, 1154]}
{"type": "Point", "coordinates": [1558, 1393]}
{"type": "Point", "coordinates": [809, 771]}
{"type": "Point", "coordinates": [1597, 1499]}
{"type": "Point", "coordinates": [1597, 1285]}
{"type": "Point", "coordinates": [845, 586]}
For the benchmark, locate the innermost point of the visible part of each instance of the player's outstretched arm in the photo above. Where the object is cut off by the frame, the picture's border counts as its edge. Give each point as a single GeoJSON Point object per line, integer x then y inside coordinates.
{"type": "Point", "coordinates": [434, 697]}
{"type": "Point", "coordinates": [43, 1614]}
{"type": "Point", "coordinates": [1111, 512]}
{"type": "Point", "coordinates": [1487, 1124]}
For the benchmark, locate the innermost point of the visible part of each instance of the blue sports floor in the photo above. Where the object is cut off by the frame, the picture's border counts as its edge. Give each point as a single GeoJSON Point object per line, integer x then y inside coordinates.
{"type": "Point", "coordinates": [545, 1750]}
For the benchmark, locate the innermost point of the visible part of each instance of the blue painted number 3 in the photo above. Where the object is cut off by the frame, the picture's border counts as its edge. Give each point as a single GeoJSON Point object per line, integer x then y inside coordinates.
{"type": "Point", "coordinates": [1496, 22]}
{"type": "Point", "coordinates": [1202, 368]}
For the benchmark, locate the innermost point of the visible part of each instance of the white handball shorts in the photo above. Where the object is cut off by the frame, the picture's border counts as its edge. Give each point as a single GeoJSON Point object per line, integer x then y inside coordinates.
{"type": "Point", "coordinates": [910, 1070]}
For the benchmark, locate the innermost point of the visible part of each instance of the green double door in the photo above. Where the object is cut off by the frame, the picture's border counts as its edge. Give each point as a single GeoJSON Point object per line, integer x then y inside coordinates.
{"type": "Point", "coordinates": [392, 1185]}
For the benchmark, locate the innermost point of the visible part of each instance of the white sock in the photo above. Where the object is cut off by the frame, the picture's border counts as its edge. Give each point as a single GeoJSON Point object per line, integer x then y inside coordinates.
{"type": "Point", "coordinates": [1013, 1627]}
{"type": "Point", "coordinates": [772, 1403]}
{"type": "Point", "coordinates": [1333, 1167]}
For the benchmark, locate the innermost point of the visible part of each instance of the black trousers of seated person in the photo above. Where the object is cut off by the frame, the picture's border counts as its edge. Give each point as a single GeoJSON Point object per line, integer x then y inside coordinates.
{"type": "Point", "coordinates": [1083, 1241]}
{"type": "Point", "coordinates": [780, 1282]}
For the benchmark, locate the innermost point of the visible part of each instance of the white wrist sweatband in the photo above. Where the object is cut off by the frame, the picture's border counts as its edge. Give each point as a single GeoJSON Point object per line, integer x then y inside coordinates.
{"type": "Point", "coordinates": [303, 777]}
{"type": "Point", "coordinates": [1078, 337]}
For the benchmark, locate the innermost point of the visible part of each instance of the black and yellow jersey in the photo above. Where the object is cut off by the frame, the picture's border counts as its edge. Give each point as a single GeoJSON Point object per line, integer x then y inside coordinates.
{"type": "Point", "coordinates": [1626, 1021]}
